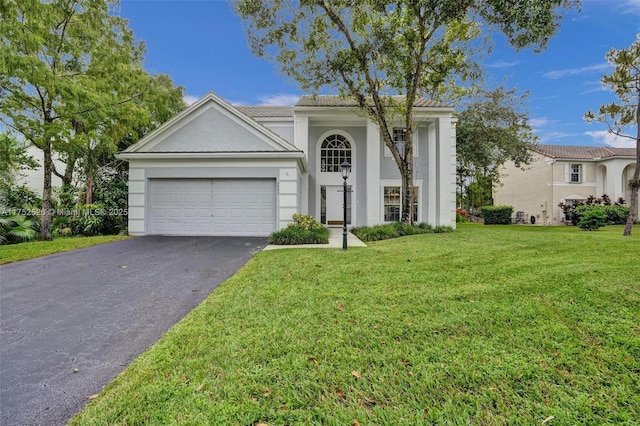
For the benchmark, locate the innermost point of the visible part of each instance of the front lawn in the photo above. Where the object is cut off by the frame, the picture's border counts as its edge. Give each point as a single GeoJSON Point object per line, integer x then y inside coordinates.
{"type": "Point", "coordinates": [485, 325]}
{"type": "Point", "coordinates": [23, 251]}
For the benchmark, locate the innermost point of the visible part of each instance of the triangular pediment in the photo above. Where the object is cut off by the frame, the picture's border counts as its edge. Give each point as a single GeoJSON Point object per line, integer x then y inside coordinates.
{"type": "Point", "coordinates": [211, 125]}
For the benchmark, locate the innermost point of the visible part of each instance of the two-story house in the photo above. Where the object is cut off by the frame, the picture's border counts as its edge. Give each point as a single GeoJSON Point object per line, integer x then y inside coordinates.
{"type": "Point", "coordinates": [219, 169]}
{"type": "Point", "coordinates": [564, 174]}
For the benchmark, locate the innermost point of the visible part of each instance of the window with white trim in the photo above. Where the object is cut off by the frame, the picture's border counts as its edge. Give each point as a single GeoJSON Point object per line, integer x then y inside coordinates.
{"type": "Point", "coordinates": [575, 173]}
{"type": "Point", "coordinates": [399, 135]}
{"type": "Point", "coordinates": [335, 150]}
{"type": "Point", "coordinates": [392, 202]}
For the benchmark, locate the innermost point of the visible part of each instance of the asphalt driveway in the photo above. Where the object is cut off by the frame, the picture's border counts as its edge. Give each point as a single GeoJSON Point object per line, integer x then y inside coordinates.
{"type": "Point", "coordinates": [71, 322]}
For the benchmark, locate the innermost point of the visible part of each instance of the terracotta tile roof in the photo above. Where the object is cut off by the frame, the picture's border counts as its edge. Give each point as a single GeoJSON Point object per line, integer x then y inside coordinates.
{"type": "Point", "coordinates": [337, 101]}
{"type": "Point", "coordinates": [574, 152]}
{"type": "Point", "coordinates": [265, 111]}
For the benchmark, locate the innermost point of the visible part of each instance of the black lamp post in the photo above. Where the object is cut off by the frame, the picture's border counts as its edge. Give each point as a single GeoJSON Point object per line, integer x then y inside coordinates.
{"type": "Point", "coordinates": [345, 169]}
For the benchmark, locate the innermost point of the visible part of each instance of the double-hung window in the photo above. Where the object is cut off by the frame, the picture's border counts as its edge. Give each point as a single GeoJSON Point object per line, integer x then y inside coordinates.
{"type": "Point", "coordinates": [575, 173]}
{"type": "Point", "coordinates": [392, 199]}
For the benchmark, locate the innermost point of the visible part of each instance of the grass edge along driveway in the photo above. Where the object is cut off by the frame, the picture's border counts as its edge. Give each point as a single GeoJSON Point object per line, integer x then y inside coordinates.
{"type": "Point", "coordinates": [15, 252]}
{"type": "Point", "coordinates": [486, 325]}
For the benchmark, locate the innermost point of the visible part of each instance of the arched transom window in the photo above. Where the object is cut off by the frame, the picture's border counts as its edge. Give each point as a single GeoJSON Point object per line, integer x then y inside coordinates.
{"type": "Point", "coordinates": [335, 149]}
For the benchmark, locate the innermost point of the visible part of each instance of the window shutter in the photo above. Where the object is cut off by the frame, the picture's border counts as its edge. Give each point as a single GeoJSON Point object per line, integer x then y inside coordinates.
{"type": "Point", "coordinates": [567, 172]}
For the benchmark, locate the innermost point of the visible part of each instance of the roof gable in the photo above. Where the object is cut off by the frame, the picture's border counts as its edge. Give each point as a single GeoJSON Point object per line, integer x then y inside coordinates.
{"type": "Point", "coordinates": [211, 125]}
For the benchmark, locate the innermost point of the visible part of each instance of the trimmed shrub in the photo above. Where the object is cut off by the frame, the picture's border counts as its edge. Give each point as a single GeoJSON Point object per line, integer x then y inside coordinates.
{"type": "Point", "coordinates": [395, 230]}
{"type": "Point", "coordinates": [614, 214]}
{"type": "Point", "coordinates": [592, 220]}
{"type": "Point", "coordinates": [305, 229]}
{"type": "Point", "coordinates": [295, 235]}
{"type": "Point", "coordinates": [497, 215]}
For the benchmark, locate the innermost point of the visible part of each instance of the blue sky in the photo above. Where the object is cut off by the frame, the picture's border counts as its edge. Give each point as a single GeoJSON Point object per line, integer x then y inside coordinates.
{"type": "Point", "coordinates": [202, 46]}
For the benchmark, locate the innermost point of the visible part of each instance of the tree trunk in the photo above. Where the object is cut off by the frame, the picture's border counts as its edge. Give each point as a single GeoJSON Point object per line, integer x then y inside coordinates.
{"type": "Point", "coordinates": [407, 193]}
{"type": "Point", "coordinates": [89, 197]}
{"type": "Point", "coordinates": [635, 181]}
{"type": "Point", "coordinates": [67, 178]}
{"type": "Point", "coordinates": [45, 226]}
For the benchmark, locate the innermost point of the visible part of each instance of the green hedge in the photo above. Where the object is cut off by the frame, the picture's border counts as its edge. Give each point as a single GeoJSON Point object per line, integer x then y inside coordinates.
{"type": "Point", "coordinates": [614, 215]}
{"type": "Point", "coordinates": [497, 215]}
{"type": "Point", "coordinates": [395, 230]}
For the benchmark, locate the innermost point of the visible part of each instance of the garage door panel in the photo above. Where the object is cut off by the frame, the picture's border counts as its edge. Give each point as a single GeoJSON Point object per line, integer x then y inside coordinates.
{"type": "Point", "coordinates": [212, 206]}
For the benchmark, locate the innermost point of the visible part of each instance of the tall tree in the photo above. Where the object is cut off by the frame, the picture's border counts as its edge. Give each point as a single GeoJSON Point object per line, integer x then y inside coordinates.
{"type": "Point", "coordinates": [371, 49]}
{"type": "Point", "coordinates": [624, 81]}
{"type": "Point", "coordinates": [70, 74]}
{"type": "Point", "coordinates": [491, 130]}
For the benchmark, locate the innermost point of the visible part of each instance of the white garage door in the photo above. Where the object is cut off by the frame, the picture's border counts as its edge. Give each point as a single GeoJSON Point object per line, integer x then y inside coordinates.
{"type": "Point", "coordinates": [212, 206]}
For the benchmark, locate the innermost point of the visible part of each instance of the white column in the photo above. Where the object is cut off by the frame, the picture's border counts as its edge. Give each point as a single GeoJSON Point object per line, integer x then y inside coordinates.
{"type": "Point", "coordinates": [446, 173]}
{"type": "Point", "coordinates": [373, 174]}
{"type": "Point", "coordinates": [432, 189]}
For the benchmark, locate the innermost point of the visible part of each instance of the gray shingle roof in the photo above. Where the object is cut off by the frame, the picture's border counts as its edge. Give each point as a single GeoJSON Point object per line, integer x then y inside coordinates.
{"type": "Point", "coordinates": [266, 111]}
{"type": "Point", "coordinates": [583, 152]}
{"type": "Point", "coordinates": [337, 101]}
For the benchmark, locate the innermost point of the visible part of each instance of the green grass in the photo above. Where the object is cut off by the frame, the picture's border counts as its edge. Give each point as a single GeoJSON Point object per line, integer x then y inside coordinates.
{"type": "Point", "coordinates": [487, 325]}
{"type": "Point", "coordinates": [23, 251]}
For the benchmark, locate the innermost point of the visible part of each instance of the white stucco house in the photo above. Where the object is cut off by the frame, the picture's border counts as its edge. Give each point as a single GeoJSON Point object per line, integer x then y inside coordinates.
{"type": "Point", "coordinates": [567, 174]}
{"type": "Point", "coordinates": [220, 169]}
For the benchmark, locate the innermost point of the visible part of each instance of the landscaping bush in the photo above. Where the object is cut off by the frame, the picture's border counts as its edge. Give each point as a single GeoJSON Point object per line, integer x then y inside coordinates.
{"type": "Point", "coordinates": [614, 214]}
{"type": "Point", "coordinates": [592, 220]}
{"type": "Point", "coordinates": [462, 216]}
{"type": "Point", "coordinates": [305, 229]}
{"type": "Point", "coordinates": [497, 215]}
{"type": "Point", "coordinates": [17, 229]}
{"type": "Point", "coordinates": [395, 230]}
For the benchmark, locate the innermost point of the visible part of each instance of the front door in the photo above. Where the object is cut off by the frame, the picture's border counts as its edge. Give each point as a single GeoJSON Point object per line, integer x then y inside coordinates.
{"type": "Point", "coordinates": [332, 204]}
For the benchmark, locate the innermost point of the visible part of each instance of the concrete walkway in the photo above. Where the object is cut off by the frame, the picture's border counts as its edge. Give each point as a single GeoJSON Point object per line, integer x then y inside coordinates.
{"type": "Point", "coordinates": [335, 241]}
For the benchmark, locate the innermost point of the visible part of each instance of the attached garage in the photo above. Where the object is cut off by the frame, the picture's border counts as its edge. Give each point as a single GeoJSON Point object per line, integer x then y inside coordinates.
{"type": "Point", "coordinates": [212, 170]}
{"type": "Point", "coordinates": [212, 206]}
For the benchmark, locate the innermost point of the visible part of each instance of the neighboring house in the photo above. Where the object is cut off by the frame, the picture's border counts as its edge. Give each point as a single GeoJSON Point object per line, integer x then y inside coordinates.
{"type": "Point", "coordinates": [34, 178]}
{"type": "Point", "coordinates": [564, 174]}
{"type": "Point", "coordinates": [219, 169]}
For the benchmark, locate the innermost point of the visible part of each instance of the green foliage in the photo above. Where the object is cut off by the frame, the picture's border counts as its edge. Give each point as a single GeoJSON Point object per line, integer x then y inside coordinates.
{"type": "Point", "coordinates": [89, 220]}
{"type": "Point", "coordinates": [395, 230]}
{"type": "Point", "coordinates": [17, 229]}
{"type": "Point", "coordinates": [304, 229]}
{"type": "Point", "coordinates": [462, 216]}
{"type": "Point", "coordinates": [306, 222]}
{"type": "Point", "coordinates": [72, 84]}
{"type": "Point", "coordinates": [19, 197]}
{"type": "Point", "coordinates": [491, 130]}
{"type": "Point", "coordinates": [113, 196]}
{"type": "Point", "coordinates": [13, 158]}
{"type": "Point", "coordinates": [592, 220]}
{"type": "Point", "coordinates": [497, 215]}
{"type": "Point", "coordinates": [613, 214]}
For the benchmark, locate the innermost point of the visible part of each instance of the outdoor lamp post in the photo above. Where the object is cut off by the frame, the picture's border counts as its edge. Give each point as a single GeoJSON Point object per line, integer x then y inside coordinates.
{"type": "Point", "coordinates": [345, 169]}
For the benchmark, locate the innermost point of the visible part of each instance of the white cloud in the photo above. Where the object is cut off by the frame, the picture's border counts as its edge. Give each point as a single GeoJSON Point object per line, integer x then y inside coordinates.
{"type": "Point", "coordinates": [278, 100]}
{"type": "Point", "coordinates": [577, 71]}
{"type": "Point", "coordinates": [188, 99]}
{"type": "Point", "coordinates": [503, 64]}
{"type": "Point", "coordinates": [631, 6]}
{"type": "Point", "coordinates": [608, 138]}
{"type": "Point", "coordinates": [538, 122]}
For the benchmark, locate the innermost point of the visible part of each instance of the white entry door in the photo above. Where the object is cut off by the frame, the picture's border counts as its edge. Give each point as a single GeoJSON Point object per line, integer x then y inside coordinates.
{"type": "Point", "coordinates": [334, 202]}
